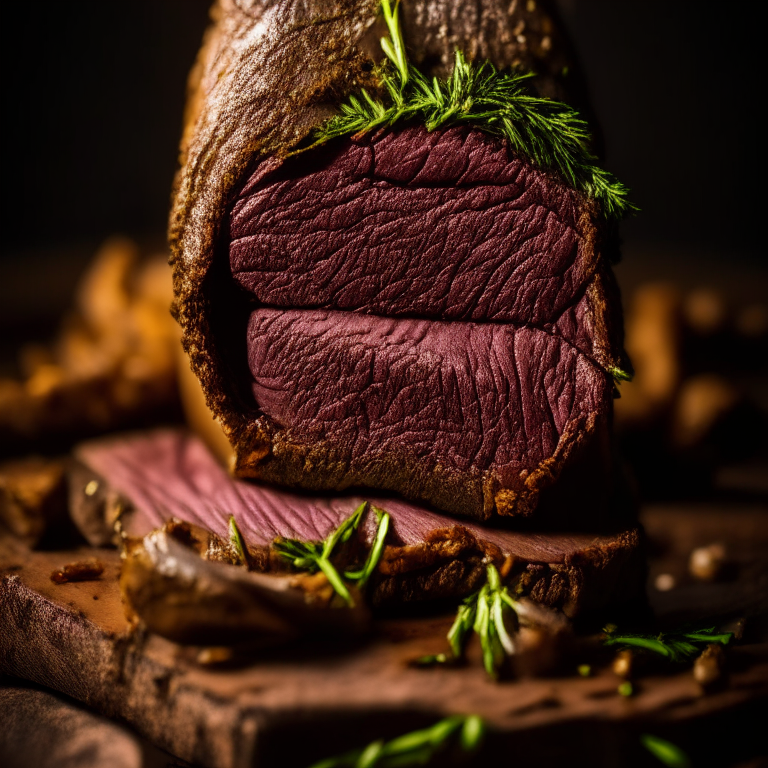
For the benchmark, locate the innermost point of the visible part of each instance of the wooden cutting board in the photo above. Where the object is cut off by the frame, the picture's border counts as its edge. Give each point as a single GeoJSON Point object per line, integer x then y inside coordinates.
{"type": "Point", "coordinates": [292, 705]}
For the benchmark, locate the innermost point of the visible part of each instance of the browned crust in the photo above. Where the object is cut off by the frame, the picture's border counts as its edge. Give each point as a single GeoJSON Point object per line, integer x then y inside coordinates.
{"type": "Point", "coordinates": [268, 73]}
{"type": "Point", "coordinates": [452, 563]}
{"type": "Point", "coordinates": [277, 457]}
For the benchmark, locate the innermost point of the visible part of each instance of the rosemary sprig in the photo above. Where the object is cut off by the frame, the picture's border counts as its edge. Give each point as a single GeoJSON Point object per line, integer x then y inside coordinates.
{"type": "Point", "coordinates": [675, 646]}
{"type": "Point", "coordinates": [316, 556]}
{"type": "Point", "coordinates": [415, 748]}
{"type": "Point", "coordinates": [237, 542]}
{"type": "Point", "coordinates": [486, 613]}
{"type": "Point", "coordinates": [550, 133]}
{"type": "Point", "coordinates": [374, 555]}
{"type": "Point", "coordinates": [393, 47]}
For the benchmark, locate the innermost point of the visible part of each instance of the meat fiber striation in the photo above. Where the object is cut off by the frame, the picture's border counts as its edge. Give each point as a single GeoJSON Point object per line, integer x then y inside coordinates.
{"type": "Point", "coordinates": [431, 315]}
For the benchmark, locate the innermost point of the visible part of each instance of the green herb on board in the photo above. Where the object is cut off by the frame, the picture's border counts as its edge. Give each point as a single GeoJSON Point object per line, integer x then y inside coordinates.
{"type": "Point", "coordinates": [316, 556]}
{"type": "Point", "coordinates": [486, 614]}
{"type": "Point", "coordinates": [417, 748]}
{"type": "Point", "coordinates": [675, 646]}
{"type": "Point", "coordinates": [666, 752]}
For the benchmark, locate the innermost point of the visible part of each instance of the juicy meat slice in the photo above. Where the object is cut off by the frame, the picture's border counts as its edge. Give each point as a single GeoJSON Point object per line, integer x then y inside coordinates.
{"type": "Point", "coordinates": [426, 395]}
{"type": "Point", "coordinates": [437, 225]}
{"type": "Point", "coordinates": [432, 316]}
{"type": "Point", "coordinates": [154, 476]}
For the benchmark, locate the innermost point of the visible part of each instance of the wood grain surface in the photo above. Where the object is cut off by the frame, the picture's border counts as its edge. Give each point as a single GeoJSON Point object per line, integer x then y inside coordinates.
{"type": "Point", "coordinates": [75, 638]}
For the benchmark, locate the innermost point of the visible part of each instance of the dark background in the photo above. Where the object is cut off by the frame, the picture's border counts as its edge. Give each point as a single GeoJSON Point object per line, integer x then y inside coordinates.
{"type": "Point", "coordinates": [93, 97]}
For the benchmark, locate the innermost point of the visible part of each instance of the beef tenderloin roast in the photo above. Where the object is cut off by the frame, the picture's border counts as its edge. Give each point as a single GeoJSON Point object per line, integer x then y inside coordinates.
{"type": "Point", "coordinates": [419, 312]}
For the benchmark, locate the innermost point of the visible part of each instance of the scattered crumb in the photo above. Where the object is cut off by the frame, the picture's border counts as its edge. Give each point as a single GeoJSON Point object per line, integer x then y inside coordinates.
{"type": "Point", "coordinates": [210, 656]}
{"type": "Point", "coordinates": [708, 668]}
{"type": "Point", "coordinates": [623, 664]}
{"type": "Point", "coordinates": [706, 563]}
{"type": "Point", "coordinates": [84, 570]}
{"type": "Point", "coordinates": [664, 582]}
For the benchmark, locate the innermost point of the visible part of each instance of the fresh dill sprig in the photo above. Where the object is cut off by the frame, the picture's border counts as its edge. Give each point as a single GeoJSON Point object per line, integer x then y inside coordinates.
{"type": "Point", "coordinates": [675, 646]}
{"type": "Point", "coordinates": [415, 748]}
{"type": "Point", "coordinates": [550, 133]}
{"type": "Point", "coordinates": [485, 613]}
{"type": "Point", "coordinates": [316, 556]}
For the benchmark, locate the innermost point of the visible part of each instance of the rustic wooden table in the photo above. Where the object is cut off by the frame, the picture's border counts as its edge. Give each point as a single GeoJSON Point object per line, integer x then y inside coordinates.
{"type": "Point", "coordinates": [74, 638]}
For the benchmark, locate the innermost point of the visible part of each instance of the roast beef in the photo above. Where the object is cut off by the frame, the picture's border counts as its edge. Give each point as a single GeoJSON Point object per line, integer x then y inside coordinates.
{"type": "Point", "coordinates": [460, 352]}
{"type": "Point", "coordinates": [419, 312]}
{"type": "Point", "coordinates": [152, 477]}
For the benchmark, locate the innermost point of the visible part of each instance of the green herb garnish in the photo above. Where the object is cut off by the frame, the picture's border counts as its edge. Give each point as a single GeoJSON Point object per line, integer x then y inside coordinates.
{"type": "Point", "coordinates": [361, 577]}
{"type": "Point", "coordinates": [316, 556]}
{"type": "Point", "coordinates": [237, 542]}
{"type": "Point", "coordinates": [486, 613]}
{"type": "Point", "coordinates": [433, 660]}
{"type": "Point", "coordinates": [415, 748]}
{"type": "Point", "coordinates": [665, 751]}
{"type": "Point", "coordinates": [626, 689]}
{"type": "Point", "coordinates": [675, 646]}
{"type": "Point", "coordinates": [548, 132]}
{"type": "Point", "coordinates": [619, 374]}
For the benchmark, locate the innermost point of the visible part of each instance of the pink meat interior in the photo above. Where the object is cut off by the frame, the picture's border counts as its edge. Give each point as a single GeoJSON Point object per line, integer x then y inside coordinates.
{"type": "Point", "coordinates": [421, 295]}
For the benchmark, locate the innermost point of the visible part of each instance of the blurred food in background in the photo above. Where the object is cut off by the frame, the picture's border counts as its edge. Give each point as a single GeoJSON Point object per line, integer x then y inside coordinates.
{"type": "Point", "coordinates": [686, 412]}
{"type": "Point", "coordinates": [112, 365]}
{"type": "Point", "coordinates": [115, 362]}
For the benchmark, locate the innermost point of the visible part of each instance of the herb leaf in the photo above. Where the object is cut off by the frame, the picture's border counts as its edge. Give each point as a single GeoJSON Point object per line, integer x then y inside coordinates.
{"type": "Point", "coordinates": [313, 556]}
{"type": "Point", "coordinates": [619, 374]}
{"type": "Point", "coordinates": [486, 613]}
{"type": "Point", "coordinates": [465, 620]}
{"type": "Point", "coordinates": [237, 542]}
{"type": "Point", "coordinates": [415, 748]}
{"type": "Point", "coordinates": [550, 133]}
{"type": "Point", "coordinates": [665, 751]}
{"type": "Point", "coordinates": [374, 555]}
{"type": "Point", "coordinates": [675, 646]}
{"type": "Point", "coordinates": [394, 48]}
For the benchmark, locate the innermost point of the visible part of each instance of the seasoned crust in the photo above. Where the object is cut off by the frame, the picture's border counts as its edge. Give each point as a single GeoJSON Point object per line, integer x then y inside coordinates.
{"type": "Point", "coordinates": [250, 103]}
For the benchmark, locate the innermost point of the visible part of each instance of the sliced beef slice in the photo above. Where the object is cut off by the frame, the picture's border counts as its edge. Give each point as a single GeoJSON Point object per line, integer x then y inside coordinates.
{"type": "Point", "coordinates": [168, 473]}
{"type": "Point", "coordinates": [438, 322]}
{"type": "Point", "coordinates": [447, 225]}
{"type": "Point", "coordinates": [396, 403]}
{"type": "Point", "coordinates": [444, 225]}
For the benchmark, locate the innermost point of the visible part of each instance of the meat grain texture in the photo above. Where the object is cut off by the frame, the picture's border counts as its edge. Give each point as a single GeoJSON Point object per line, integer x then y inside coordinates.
{"type": "Point", "coordinates": [425, 313]}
